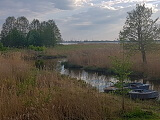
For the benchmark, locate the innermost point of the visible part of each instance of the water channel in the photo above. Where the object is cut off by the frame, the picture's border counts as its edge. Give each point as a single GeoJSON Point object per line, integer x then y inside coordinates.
{"type": "Point", "coordinates": [101, 81]}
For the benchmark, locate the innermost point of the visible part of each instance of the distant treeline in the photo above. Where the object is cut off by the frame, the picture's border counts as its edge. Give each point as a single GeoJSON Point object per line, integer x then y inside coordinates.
{"type": "Point", "coordinates": [21, 33]}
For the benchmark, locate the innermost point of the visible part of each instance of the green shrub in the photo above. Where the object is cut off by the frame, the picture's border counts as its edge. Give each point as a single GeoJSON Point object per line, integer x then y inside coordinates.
{"type": "Point", "coordinates": [2, 48]}
{"type": "Point", "coordinates": [39, 64]}
{"type": "Point", "coordinates": [37, 48]}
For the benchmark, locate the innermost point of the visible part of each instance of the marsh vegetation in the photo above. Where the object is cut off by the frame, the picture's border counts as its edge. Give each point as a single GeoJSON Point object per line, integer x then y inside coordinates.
{"type": "Point", "coordinates": [31, 93]}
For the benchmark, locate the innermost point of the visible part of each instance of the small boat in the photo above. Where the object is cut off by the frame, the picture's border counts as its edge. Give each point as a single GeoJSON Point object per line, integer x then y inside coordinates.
{"type": "Point", "coordinates": [130, 86]}
{"type": "Point", "coordinates": [110, 89]}
{"type": "Point", "coordinates": [135, 85]}
{"type": "Point", "coordinates": [143, 94]}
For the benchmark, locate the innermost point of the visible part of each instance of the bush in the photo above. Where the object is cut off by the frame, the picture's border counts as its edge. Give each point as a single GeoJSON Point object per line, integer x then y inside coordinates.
{"type": "Point", "coordinates": [37, 48]}
{"type": "Point", "coordinates": [39, 64]}
{"type": "Point", "coordinates": [2, 48]}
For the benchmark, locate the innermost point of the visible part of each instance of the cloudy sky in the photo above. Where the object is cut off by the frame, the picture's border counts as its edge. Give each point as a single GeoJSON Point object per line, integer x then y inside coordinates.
{"type": "Point", "coordinates": [78, 19]}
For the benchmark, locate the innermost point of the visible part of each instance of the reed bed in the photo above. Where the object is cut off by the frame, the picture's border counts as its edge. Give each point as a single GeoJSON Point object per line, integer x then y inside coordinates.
{"type": "Point", "coordinates": [100, 57]}
{"type": "Point", "coordinates": [27, 93]}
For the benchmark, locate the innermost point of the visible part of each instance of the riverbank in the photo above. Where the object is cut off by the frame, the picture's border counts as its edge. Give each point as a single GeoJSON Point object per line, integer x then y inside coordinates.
{"type": "Point", "coordinates": [27, 92]}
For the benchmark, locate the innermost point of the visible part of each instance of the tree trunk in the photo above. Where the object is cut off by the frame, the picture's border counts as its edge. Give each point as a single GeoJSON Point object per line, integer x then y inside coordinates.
{"type": "Point", "coordinates": [145, 68]}
{"type": "Point", "coordinates": [144, 57]}
{"type": "Point", "coordinates": [123, 109]}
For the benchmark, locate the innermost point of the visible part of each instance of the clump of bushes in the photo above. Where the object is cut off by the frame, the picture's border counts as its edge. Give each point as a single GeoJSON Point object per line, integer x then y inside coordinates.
{"type": "Point", "coordinates": [37, 48]}
{"type": "Point", "coordinates": [39, 64]}
{"type": "Point", "coordinates": [2, 48]}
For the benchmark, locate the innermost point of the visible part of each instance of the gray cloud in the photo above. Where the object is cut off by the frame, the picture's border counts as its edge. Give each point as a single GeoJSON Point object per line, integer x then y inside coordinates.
{"type": "Point", "coordinates": [63, 4]}
{"type": "Point", "coordinates": [40, 9]}
{"type": "Point", "coordinates": [96, 23]}
{"type": "Point", "coordinates": [33, 8]}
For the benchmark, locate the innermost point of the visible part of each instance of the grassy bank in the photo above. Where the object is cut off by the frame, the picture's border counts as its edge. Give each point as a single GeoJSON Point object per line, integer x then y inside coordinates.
{"type": "Point", "coordinates": [29, 93]}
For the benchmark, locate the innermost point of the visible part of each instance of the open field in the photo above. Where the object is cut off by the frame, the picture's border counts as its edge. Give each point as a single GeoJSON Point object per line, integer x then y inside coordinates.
{"type": "Point", "coordinates": [29, 93]}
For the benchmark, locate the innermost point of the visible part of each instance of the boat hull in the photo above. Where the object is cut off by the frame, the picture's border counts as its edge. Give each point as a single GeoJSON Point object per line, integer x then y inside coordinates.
{"type": "Point", "coordinates": [131, 86]}
{"type": "Point", "coordinates": [143, 94]}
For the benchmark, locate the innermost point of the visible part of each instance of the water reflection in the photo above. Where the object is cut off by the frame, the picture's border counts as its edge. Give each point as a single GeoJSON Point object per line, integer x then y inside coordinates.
{"type": "Point", "coordinates": [98, 81]}
{"type": "Point", "coordinates": [101, 81]}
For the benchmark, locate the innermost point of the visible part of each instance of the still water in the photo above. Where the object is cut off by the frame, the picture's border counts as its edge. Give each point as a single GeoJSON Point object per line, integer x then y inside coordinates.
{"type": "Point", "coordinates": [101, 81]}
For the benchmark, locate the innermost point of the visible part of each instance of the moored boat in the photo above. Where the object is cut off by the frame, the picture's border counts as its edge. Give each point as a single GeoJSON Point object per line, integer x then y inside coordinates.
{"type": "Point", "coordinates": [135, 85]}
{"type": "Point", "coordinates": [130, 86]}
{"type": "Point", "coordinates": [143, 94]}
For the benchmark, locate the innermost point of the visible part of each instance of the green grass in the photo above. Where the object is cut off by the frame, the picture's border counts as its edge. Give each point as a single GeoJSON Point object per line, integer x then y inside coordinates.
{"type": "Point", "coordinates": [139, 114]}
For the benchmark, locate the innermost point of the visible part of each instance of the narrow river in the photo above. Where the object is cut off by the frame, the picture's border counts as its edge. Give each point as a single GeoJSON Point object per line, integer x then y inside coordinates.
{"type": "Point", "coordinates": [101, 81]}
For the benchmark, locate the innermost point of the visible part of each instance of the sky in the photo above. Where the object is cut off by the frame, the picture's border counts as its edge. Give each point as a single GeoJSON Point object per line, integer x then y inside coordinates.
{"type": "Point", "coordinates": [78, 19]}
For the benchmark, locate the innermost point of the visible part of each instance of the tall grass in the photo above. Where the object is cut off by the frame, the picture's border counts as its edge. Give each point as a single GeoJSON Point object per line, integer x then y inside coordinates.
{"type": "Point", "coordinates": [27, 93]}
{"type": "Point", "coordinates": [100, 57]}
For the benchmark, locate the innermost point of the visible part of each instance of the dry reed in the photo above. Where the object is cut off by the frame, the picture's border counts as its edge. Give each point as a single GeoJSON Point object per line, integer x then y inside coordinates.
{"type": "Point", "coordinates": [30, 94]}
{"type": "Point", "coordinates": [100, 57]}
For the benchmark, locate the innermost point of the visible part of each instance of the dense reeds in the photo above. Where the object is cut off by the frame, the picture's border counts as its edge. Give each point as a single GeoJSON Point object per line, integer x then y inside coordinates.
{"type": "Point", "coordinates": [99, 56]}
{"type": "Point", "coordinates": [28, 93]}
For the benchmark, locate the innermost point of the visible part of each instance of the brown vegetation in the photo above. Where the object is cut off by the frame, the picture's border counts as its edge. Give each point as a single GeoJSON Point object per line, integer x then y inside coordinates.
{"type": "Point", "coordinates": [99, 56]}
{"type": "Point", "coordinates": [29, 93]}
